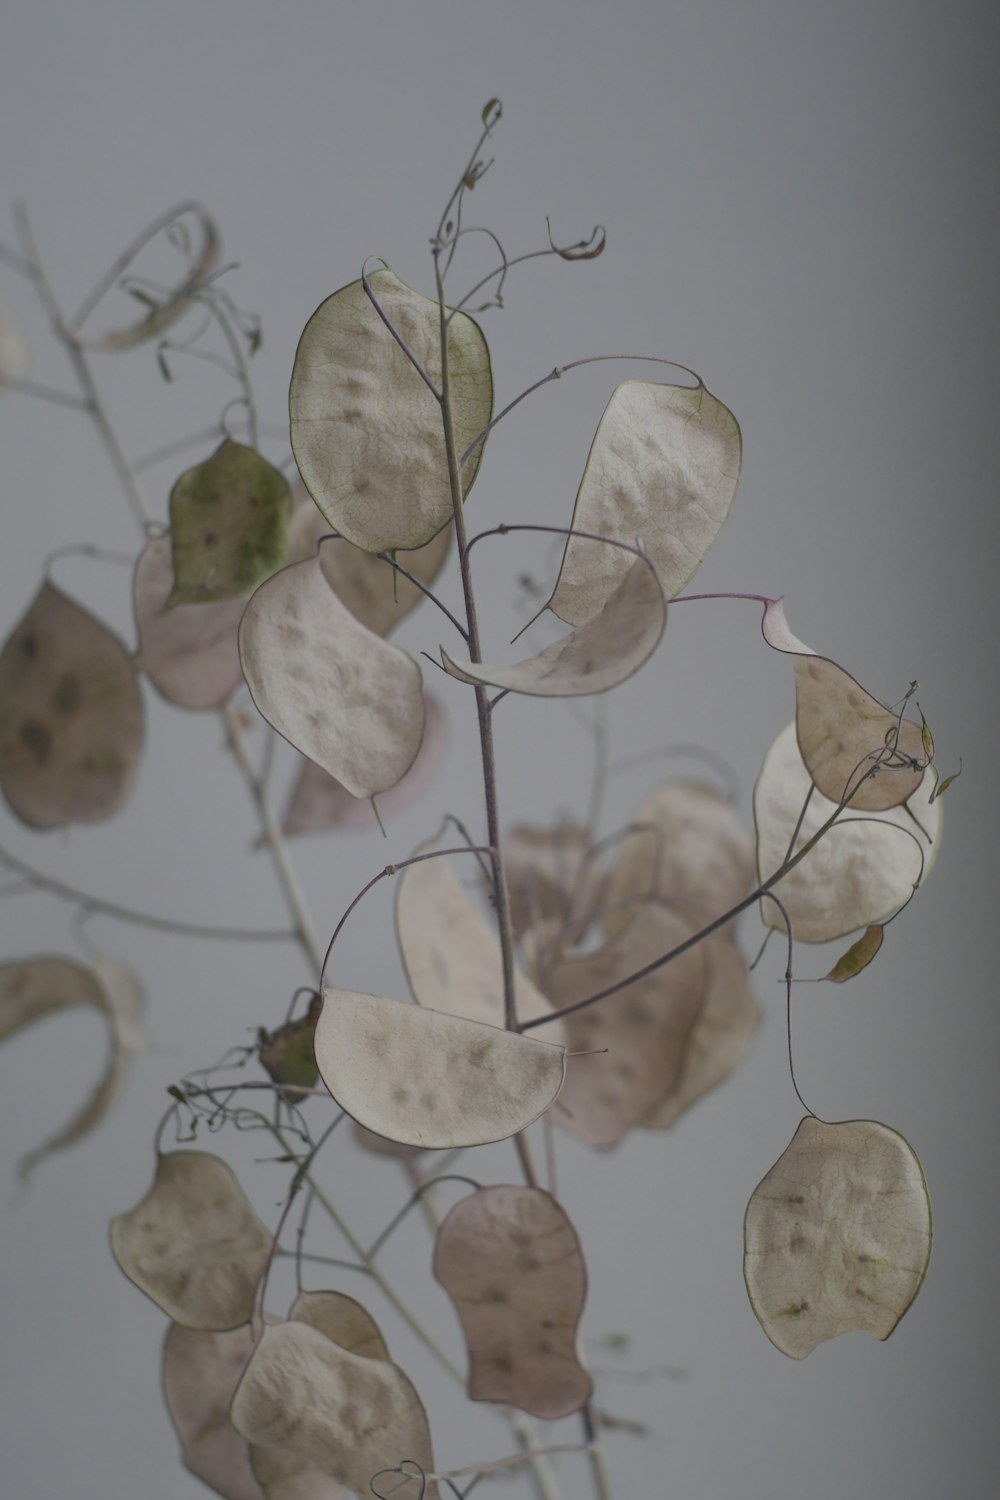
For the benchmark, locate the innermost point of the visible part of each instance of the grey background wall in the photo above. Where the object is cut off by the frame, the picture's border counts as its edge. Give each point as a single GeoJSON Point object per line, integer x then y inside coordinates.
{"type": "Point", "coordinates": [800, 199]}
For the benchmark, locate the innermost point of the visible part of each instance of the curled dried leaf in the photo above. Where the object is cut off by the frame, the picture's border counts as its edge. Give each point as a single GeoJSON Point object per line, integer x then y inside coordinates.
{"type": "Point", "coordinates": [611, 646]}
{"type": "Point", "coordinates": [588, 249]}
{"type": "Point", "coordinates": [717, 1042]}
{"type": "Point", "coordinates": [37, 987]}
{"type": "Point", "coordinates": [193, 1244]}
{"type": "Point", "coordinates": [858, 956]}
{"type": "Point", "coordinates": [861, 871]}
{"type": "Point", "coordinates": [636, 1039]}
{"type": "Point", "coordinates": [509, 1259]}
{"type": "Point", "coordinates": [427, 1079]}
{"type": "Point", "coordinates": [373, 591]}
{"type": "Point", "coordinates": [663, 466]}
{"type": "Point", "coordinates": [71, 716]}
{"type": "Point", "coordinates": [202, 253]}
{"type": "Point", "coordinates": [200, 1373]}
{"type": "Point", "coordinates": [348, 1415]}
{"type": "Point", "coordinates": [229, 520]}
{"type": "Point", "coordinates": [348, 700]}
{"type": "Point", "coordinates": [686, 846]}
{"type": "Point", "coordinates": [319, 801]}
{"type": "Point", "coordinates": [188, 651]}
{"type": "Point", "coordinates": [843, 731]}
{"type": "Point", "coordinates": [837, 1235]}
{"type": "Point", "coordinates": [366, 430]}
{"type": "Point", "coordinates": [450, 952]}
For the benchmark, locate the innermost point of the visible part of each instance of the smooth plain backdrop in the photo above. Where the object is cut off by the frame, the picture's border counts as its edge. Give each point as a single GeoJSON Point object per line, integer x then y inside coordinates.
{"type": "Point", "coordinates": [800, 199]}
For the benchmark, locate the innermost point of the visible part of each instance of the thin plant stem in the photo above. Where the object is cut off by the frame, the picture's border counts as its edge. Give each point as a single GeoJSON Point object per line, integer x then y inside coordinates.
{"type": "Point", "coordinates": [37, 880]}
{"type": "Point", "coordinates": [556, 373]}
{"type": "Point", "coordinates": [707, 931]}
{"type": "Point", "coordinates": [504, 924]}
{"type": "Point", "coordinates": [273, 836]}
{"type": "Point", "coordinates": [81, 368]}
{"type": "Point", "coordinates": [124, 260]}
{"type": "Point", "coordinates": [387, 557]}
{"type": "Point", "coordinates": [45, 393]}
{"type": "Point", "coordinates": [364, 1259]}
{"type": "Point", "coordinates": [209, 299]}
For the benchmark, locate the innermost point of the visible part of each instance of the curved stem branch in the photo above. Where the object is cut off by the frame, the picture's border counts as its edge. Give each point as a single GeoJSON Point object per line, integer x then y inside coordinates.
{"type": "Point", "coordinates": [39, 881]}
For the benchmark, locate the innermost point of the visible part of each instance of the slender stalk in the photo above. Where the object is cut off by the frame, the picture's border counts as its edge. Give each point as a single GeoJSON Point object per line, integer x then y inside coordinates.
{"type": "Point", "coordinates": [364, 1259]}
{"type": "Point", "coordinates": [33, 878]}
{"type": "Point", "coordinates": [483, 709]}
{"type": "Point", "coordinates": [504, 925]}
{"type": "Point", "coordinates": [81, 369]}
{"type": "Point", "coordinates": [705, 932]}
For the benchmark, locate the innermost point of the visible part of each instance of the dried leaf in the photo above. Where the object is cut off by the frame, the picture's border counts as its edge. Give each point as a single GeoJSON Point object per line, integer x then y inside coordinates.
{"type": "Point", "coordinates": [663, 467]}
{"type": "Point", "coordinates": [689, 848]}
{"type": "Point", "coordinates": [37, 987]}
{"type": "Point", "coordinates": [188, 651]}
{"type": "Point", "coordinates": [366, 430]}
{"type": "Point", "coordinates": [837, 1235]}
{"type": "Point", "coordinates": [283, 1475]}
{"type": "Point", "coordinates": [229, 520]}
{"type": "Point", "coordinates": [859, 873]}
{"type": "Point", "coordinates": [858, 956]}
{"type": "Point", "coordinates": [343, 1320]}
{"type": "Point", "coordinates": [450, 952]}
{"type": "Point", "coordinates": [319, 801]}
{"type": "Point", "coordinates": [843, 731]}
{"type": "Point", "coordinates": [427, 1079]}
{"type": "Point", "coordinates": [373, 591]}
{"type": "Point", "coordinates": [717, 1042]}
{"type": "Point", "coordinates": [71, 716]}
{"type": "Point", "coordinates": [200, 1373]}
{"type": "Point", "coordinates": [193, 1244]}
{"type": "Point", "coordinates": [645, 1028]}
{"type": "Point", "coordinates": [549, 877]}
{"type": "Point", "coordinates": [177, 300]}
{"type": "Point", "coordinates": [348, 1415]}
{"type": "Point", "coordinates": [509, 1259]}
{"type": "Point", "coordinates": [345, 698]}
{"type": "Point", "coordinates": [611, 646]}
{"type": "Point", "coordinates": [287, 1054]}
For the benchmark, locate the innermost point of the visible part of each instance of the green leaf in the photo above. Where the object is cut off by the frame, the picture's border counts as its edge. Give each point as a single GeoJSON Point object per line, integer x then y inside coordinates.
{"type": "Point", "coordinates": [858, 956]}
{"type": "Point", "coordinates": [229, 520]}
{"type": "Point", "coordinates": [366, 430]}
{"type": "Point", "coordinates": [287, 1055]}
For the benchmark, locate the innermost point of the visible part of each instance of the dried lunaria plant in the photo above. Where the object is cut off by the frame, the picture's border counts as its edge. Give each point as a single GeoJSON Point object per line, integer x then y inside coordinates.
{"type": "Point", "coordinates": [594, 980]}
